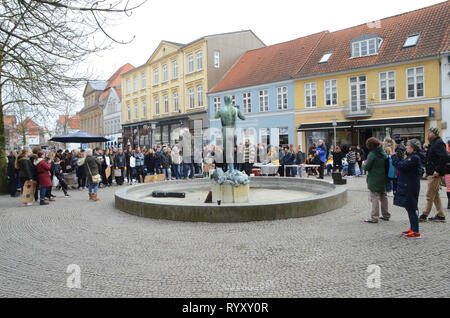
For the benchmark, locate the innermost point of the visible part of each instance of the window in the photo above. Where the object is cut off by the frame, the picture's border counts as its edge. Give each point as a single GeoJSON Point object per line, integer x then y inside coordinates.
{"type": "Point", "coordinates": [325, 57]}
{"type": "Point", "coordinates": [310, 95]}
{"type": "Point", "coordinates": [200, 96]}
{"type": "Point", "coordinates": [135, 81]}
{"type": "Point", "coordinates": [216, 59]}
{"type": "Point", "coordinates": [165, 74]}
{"type": "Point", "coordinates": [387, 85]}
{"type": "Point", "coordinates": [166, 104]}
{"type": "Point", "coordinates": [175, 102]}
{"type": "Point", "coordinates": [233, 100]}
{"type": "Point", "coordinates": [216, 104]}
{"type": "Point", "coordinates": [128, 86]}
{"type": "Point", "coordinates": [157, 106]}
{"type": "Point", "coordinates": [191, 98]}
{"type": "Point", "coordinates": [144, 109]}
{"type": "Point", "coordinates": [415, 82]}
{"type": "Point", "coordinates": [191, 63]}
{"type": "Point", "coordinates": [144, 82]}
{"type": "Point", "coordinates": [331, 93]}
{"type": "Point", "coordinates": [264, 100]}
{"type": "Point", "coordinates": [174, 70]}
{"type": "Point", "coordinates": [247, 102]}
{"type": "Point", "coordinates": [282, 97]}
{"type": "Point", "coordinates": [366, 47]}
{"type": "Point", "coordinates": [358, 93]}
{"type": "Point", "coordinates": [411, 40]}
{"type": "Point", "coordinates": [199, 60]}
{"type": "Point", "coordinates": [136, 110]}
{"type": "Point", "coordinates": [156, 76]}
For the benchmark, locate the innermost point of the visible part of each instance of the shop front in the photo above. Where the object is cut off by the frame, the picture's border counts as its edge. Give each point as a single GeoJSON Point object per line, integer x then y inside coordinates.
{"type": "Point", "coordinates": [356, 132]}
{"type": "Point", "coordinates": [163, 131]}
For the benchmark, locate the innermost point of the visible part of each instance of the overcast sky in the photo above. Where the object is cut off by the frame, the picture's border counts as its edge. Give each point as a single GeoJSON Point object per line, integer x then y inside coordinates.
{"type": "Point", "coordinates": [273, 21]}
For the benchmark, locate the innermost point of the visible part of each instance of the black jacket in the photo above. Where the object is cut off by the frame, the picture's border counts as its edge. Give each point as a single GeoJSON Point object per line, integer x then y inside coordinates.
{"type": "Point", "coordinates": [25, 168]}
{"type": "Point", "coordinates": [150, 161]}
{"type": "Point", "coordinates": [337, 158]}
{"type": "Point", "coordinates": [166, 161]}
{"type": "Point", "coordinates": [299, 158]}
{"type": "Point", "coordinates": [11, 170]}
{"type": "Point", "coordinates": [120, 160]}
{"type": "Point", "coordinates": [436, 157]}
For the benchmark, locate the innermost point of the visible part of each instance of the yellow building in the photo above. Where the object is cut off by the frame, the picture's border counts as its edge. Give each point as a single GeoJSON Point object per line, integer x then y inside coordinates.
{"type": "Point", "coordinates": [379, 79]}
{"type": "Point", "coordinates": [169, 91]}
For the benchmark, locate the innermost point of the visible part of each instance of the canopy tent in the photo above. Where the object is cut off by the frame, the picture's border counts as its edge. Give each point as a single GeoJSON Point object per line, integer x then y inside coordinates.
{"type": "Point", "coordinates": [79, 137]}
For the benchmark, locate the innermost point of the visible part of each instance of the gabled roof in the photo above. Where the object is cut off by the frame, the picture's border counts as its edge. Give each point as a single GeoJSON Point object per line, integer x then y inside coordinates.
{"type": "Point", "coordinates": [161, 44]}
{"type": "Point", "coordinates": [73, 121]}
{"type": "Point", "coordinates": [115, 79]}
{"type": "Point", "coordinates": [269, 64]}
{"type": "Point", "coordinates": [432, 23]}
{"type": "Point", "coordinates": [219, 35]}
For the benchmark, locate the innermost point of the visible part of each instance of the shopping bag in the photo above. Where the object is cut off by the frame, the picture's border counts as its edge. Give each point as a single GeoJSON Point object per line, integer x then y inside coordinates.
{"type": "Point", "coordinates": [29, 188]}
{"type": "Point", "coordinates": [117, 173]}
{"type": "Point", "coordinates": [132, 162]}
{"type": "Point", "coordinates": [108, 172]}
{"type": "Point", "coordinates": [149, 179]}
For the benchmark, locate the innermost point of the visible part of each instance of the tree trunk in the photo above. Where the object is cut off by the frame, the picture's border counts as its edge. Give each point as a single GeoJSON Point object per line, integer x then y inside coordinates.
{"type": "Point", "coordinates": [3, 175]}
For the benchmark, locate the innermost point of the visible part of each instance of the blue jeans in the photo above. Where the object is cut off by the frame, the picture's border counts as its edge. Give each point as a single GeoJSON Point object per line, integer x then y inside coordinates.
{"type": "Point", "coordinates": [300, 171]}
{"type": "Point", "coordinates": [351, 169]}
{"type": "Point", "coordinates": [413, 220]}
{"type": "Point", "coordinates": [177, 171]}
{"type": "Point", "coordinates": [389, 186]}
{"type": "Point", "coordinates": [188, 170]}
{"type": "Point", "coordinates": [43, 192]}
{"type": "Point", "coordinates": [93, 188]}
{"type": "Point", "coordinates": [167, 172]}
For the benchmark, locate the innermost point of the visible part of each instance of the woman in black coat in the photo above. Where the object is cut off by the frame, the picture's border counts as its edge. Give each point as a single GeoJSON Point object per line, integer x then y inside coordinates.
{"type": "Point", "coordinates": [408, 184]}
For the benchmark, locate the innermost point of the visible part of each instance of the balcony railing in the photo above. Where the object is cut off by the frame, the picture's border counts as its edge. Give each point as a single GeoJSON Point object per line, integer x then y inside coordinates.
{"type": "Point", "coordinates": [359, 110]}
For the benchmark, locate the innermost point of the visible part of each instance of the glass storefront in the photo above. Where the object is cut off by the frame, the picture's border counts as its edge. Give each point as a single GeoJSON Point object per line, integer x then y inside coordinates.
{"type": "Point", "coordinates": [358, 136]}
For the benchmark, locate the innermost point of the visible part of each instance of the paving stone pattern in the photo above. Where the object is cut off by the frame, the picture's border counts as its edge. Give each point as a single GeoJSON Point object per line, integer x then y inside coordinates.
{"type": "Point", "coordinates": [121, 255]}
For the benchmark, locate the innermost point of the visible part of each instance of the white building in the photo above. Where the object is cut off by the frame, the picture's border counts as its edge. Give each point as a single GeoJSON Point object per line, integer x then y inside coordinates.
{"type": "Point", "coordinates": [445, 95]}
{"type": "Point", "coordinates": [112, 115]}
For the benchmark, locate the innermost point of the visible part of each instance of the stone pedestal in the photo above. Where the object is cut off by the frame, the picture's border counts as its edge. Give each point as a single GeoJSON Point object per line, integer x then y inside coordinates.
{"type": "Point", "coordinates": [229, 194]}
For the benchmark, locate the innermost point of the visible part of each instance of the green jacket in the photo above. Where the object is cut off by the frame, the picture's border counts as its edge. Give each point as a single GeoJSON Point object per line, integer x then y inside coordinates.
{"type": "Point", "coordinates": [375, 166]}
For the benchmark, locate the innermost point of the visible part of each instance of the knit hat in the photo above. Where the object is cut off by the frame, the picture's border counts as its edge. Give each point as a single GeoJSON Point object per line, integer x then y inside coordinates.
{"type": "Point", "coordinates": [434, 130]}
{"type": "Point", "coordinates": [415, 144]}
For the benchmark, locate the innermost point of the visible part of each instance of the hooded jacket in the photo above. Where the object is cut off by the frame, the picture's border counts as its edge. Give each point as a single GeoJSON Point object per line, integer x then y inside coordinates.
{"type": "Point", "coordinates": [25, 168]}
{"type": "Point", "coordinates": [436, 159]}
{"type": "Point", "coordinates": [43, 171]}
{"type": "Point", "coordinates": [375, 166]}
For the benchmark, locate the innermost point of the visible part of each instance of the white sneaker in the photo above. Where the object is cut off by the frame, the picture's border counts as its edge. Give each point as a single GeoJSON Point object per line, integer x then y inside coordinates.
{"type": "Point", "coordinates": [29, 203]}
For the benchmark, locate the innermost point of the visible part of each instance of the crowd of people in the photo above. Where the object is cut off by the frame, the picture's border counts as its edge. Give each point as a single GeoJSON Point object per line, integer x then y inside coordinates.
{"type": "Point", "coordinates": [397, 168]}
{"type": "Point", "coordinates": [393, 169]}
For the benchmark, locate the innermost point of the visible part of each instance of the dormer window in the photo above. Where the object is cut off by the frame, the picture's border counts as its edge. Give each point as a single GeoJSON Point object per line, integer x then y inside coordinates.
{"type": "Point", "coordinates": [325, 57]}
{"type": "Point", "coordinates": [365, 45]}
{"type": "Point", "coordinates": [411, 40]}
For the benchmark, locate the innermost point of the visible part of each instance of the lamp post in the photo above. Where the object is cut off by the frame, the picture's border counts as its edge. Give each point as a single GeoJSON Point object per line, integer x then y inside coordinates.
{"type": "Point", "coordinates": [334, 128]}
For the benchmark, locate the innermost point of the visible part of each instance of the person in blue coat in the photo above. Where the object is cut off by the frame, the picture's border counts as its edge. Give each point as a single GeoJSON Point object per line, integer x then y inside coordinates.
{"type": "Point", "coordinates": [321, 154]}
{"type": "Point", "coordinates": [408, 184]}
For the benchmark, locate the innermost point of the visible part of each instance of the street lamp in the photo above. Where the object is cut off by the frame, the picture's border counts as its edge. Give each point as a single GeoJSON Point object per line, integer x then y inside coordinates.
{"type": "Point", "coordinates": [334, 128]}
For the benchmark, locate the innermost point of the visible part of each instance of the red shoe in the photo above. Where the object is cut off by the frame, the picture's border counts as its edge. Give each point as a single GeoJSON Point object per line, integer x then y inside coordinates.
{"type": "Point", "coordinates": [413, 235]}
{"type": "Point", "coordinates": [407, 231]}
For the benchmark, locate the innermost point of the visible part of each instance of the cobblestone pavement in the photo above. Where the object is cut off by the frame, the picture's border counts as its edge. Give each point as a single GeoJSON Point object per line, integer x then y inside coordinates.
{"type": "Point", "coordinates": [121, 255]}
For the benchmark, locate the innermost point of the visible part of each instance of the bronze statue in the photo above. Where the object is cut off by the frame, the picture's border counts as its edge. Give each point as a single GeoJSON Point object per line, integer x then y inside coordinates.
{"type": "Point", "coordinates": [228, 115]}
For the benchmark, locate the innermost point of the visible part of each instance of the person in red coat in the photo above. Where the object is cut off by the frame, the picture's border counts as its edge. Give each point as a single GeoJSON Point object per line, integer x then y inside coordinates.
{"type": "Point", "coordinates": [43, 170]}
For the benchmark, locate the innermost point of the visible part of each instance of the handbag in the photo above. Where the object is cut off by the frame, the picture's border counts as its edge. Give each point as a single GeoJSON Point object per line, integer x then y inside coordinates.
{"type": "Point", "coordinates": [95, 179]}
{"type": "Point", "coordinates": [132, 162]}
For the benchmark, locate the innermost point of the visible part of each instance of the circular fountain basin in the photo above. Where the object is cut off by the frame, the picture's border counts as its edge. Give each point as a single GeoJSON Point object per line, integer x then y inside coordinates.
{"type": "Point", "coordinates": [271, 198]}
